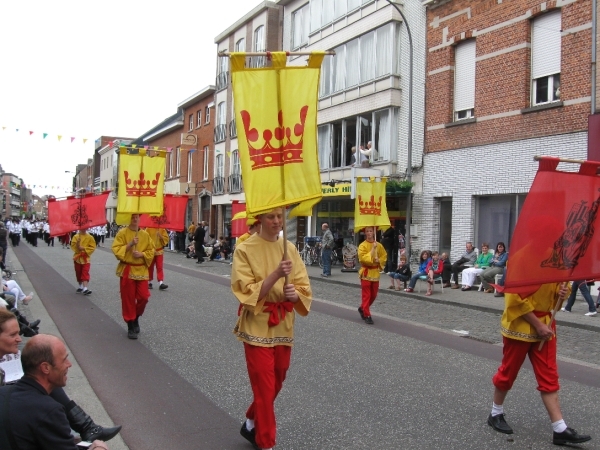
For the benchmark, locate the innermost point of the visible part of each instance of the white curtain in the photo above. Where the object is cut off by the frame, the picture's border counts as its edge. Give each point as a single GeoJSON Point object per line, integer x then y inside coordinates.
{"type": "Point", "coordinates": [385, 49]}
{"type": "Point", "coordinates": [353, 4]}
{"type": "Point", "coordinates": [240, 46]}
{"type": "Point", "coordinates": [339, 66]}
{"type": "Point", "coordinates": [325, 82]}
{"type": "Point", "coordinates": [323, 142]}
{"type": "Point", "coordinates": [316, 7]}
{"type": "Point", "coordinates": [352, 66]}
{"type": "Point", "coordinates": [341, 8]}
{"type": "Point", "coordinates": [367, 57]}
{"type": "Point", "coordinates": [384, 140]}
{"type": "Point", "coordinates": [328, 10]}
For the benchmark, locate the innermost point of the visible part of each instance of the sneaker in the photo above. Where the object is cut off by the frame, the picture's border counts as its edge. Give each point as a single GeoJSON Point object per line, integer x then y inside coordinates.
{"type": "Point", "coordinates": [162, 287]}
{"type": "Point", "coordinates": [369, 320]}
{"type": "Point", "coordinates": [565, 310]}
{"type": "Point", "coordinates": [79, 290]}
{"type": "Point", "coordinates": [88, 292]}
{"type": "Point", "coordinates": [591, 313]}
{"type": "Point", "coordinates": [409, 290]}
{"type": "Point", "coordinates": [149, 285]}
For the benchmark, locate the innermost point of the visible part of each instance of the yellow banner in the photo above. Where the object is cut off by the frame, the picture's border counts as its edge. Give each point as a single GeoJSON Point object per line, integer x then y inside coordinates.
{"type": "Point", "coordinates": [370, 208]}
{"type": "Point", "coordinates": [276, 118]}
{"type": "Point", "coordinates": [141, 182]}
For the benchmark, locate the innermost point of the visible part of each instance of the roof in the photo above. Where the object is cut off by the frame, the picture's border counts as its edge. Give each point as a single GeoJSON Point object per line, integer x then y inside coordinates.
{"type": "Point", "coordinates": [171, 122]}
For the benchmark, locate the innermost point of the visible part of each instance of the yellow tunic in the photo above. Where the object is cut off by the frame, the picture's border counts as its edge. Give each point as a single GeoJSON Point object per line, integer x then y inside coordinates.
{"type": "Point", "coordinates": [242, 238]}
{"type": "Point", "coordinates": [139, 266]}
{"type": "Point", "coordinates": [89, 245]}
{"type": "Point", "coordinates": [255, 259]}
{"type": "Point", "coordinates": [369, 268]}
{"type": "Point", "coordinates": [159, 237]}
{"type": "Point", "coordinates": [513, 325]}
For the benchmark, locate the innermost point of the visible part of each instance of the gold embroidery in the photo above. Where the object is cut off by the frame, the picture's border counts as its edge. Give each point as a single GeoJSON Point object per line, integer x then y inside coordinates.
{"type": "Point", "coordinates": [262, 340]}
{"type": "Point", "coordinates": [518, 334]}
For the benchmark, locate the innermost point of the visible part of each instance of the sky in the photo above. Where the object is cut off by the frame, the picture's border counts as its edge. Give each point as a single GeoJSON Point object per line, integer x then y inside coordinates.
{"type": "Point", "coordinates": [82, 70]}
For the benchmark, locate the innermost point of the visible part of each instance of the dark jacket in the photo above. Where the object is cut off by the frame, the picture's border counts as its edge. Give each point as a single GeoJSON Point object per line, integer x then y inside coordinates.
{"type": "Point", "coordinates": [38, 422]}
{"type": "Point", "coordinates": [199, 237]}
{"type": "Point", "coordinates": [389, 238]}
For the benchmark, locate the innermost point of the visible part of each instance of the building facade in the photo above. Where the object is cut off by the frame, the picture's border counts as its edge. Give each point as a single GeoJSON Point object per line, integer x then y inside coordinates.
{"type": "Point", "coordinates": [11, 190]}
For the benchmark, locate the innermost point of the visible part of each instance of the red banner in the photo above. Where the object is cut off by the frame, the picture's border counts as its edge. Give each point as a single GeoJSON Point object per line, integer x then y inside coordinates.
{"type": "Point", "coordinates": [554, 236]}
{"type": "Point", "coordinates": [238, 226]}
{"type": "Point", "coordinates": [74, 213]}
{"type": "Point", "coordinates": [173, 217]}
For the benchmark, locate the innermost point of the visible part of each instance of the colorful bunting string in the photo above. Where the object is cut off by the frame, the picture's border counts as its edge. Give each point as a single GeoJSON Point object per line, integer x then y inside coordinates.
{"type": "Point", "coordinates": [45, 135]}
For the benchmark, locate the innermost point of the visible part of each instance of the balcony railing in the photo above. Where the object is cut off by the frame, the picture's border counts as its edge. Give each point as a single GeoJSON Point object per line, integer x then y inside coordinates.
{"type": "Point", "coordinates": [219, 185]}
{"type": "Point", "coordinates": [222, 80]}
{"type": "Point", "coordinates": [220, 133]}
{"type": "Point", "coordinates": [235, 183]}
{"type": "Point", "coordinates": [232, 129]}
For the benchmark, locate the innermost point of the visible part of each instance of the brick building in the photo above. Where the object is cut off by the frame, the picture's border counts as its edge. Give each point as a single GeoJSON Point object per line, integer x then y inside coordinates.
{"type": "Point", "coordinates": [505, 80]}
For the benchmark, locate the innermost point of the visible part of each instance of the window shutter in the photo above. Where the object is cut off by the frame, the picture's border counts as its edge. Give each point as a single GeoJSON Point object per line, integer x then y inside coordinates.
{"type": "Point", "coordinates": [464, 76]}
{"type": "Point", "coordinates": [545, 45]}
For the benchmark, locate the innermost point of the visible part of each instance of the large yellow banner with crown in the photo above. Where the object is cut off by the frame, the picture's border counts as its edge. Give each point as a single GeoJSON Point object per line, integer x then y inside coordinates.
{"type": "Point", "coordinates": [276, 119]}
{"type": "Point", "coordinates": [370, 209]}
{"type": "Point", "coordinates": [141, 181]}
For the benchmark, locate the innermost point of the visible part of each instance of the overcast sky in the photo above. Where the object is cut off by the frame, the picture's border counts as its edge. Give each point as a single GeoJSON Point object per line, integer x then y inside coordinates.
{"type": "Point", "coordinates": [86, 69]}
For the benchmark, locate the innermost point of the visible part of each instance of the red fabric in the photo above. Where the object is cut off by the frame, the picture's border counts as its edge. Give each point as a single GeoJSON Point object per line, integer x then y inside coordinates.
{"type": "Point", "coordinates": [82, 272]}
{"type": "Point", "coordinates": [278, 311]}
{"type": "Point", "coordinates": [238, 226]}
{"type": "Point", "coordinates": [134, 296]}
{"type": "Point", "coordinates": [554, 236]}
{"type": "Point", "coordinates": [543, 362]}
{"type": "Point", "coordinates": [73, 213]}
{"type": "Point", "coordinates": [369, 292]}
{"type": "Point", "coordinates": [173, 216]}
{"type": "Point", "coordinates": [158, 261]}
{"type": "Point", "coordinates": [440, 267]}
{"type": "Point", "coordinates": [267, 368]}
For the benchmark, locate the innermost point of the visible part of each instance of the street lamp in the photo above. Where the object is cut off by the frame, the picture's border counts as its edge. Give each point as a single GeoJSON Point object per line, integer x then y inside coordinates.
{"type": "Point", "coordinates": [409, 140]}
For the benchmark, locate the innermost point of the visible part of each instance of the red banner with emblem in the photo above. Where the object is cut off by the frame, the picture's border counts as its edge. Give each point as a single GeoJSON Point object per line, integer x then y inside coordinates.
{"type": "Point", "coordinates": [238, 226]}
{"type": "Point", "coordinates": [73, 213]}
{"type": "Point", "coordinates": [554, 236]}
{"type": "Point", "coordinates": [173, 216]}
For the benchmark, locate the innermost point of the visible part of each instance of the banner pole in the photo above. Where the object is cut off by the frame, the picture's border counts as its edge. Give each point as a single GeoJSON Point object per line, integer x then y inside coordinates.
{"type": "Point", "coordinates": [575, 161]}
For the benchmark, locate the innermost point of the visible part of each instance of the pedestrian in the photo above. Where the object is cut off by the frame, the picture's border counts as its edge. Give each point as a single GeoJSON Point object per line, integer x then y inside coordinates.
{"type": "Point", "coordinates": [135, 251]}
{"type": "Point", "coordinates": [83, 245]}
{"type": "Point", "coordinates": [160, 238]}
{"type": "Point", "coordinates": [266, 318]}
{"type": "Point", "coordinates": [3, 238]}
{"type": "Point", "coordinates": [327, 244]}
{"type": "Point", "coordinates": [372, 257]}
{"type": "Point", "coordinates": [389, 240]}
{"type": "Point", "coordinates": [199, 242]}
{"type": "Point", "coordinates": [581, 285]}
{"type": "Point", "coordinates": [524, 324]}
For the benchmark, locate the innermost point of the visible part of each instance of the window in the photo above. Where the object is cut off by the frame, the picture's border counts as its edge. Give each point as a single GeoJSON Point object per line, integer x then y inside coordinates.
{"type": "Point", "coordinates": [178, 159]}
{"type": "Point", "coordinates": [545, 58]}
{"type": "Point", "coordinates": [219, 181]}
{"type": "Point", "coordinates": [445, 236]}
{"type": "Point", "coordinates": [220, 132]}
{"type": "Point", "coordinates": [207, 115]}
{"type": "Point", "coordinates": [496, 218]}
{"type": "Point", "coordinates": [259, 46]}
{"type": "Point", "coordinates": [235, 179]}
{"type": "Point", "coordinates": [324, 12]}
{"type": "Point", "coordinates": [240, 46]}
{"type": "Point", "coordinates": [171, 164]}
{"type": "Point", "coordinates": [222, 72]}
{"type": "Point", "coordinates": [189, 167]}
{"type": "Point", "coordinates": [199, 118]}
{"type": "Point", "coordinates": [464, 80]}
{"type": "Point", "coordinates": [191, 127]}
{"type": "Point", "coordinates": [300, 24]}
{"type": "Point", "coordinates": [205, 168]}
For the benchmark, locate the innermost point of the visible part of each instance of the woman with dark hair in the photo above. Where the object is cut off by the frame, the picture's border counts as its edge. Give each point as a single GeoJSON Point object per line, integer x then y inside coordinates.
{"type": "Point", "coordinates": [496, 267]}
{"type": "Point", "coordinates": [423, 262]}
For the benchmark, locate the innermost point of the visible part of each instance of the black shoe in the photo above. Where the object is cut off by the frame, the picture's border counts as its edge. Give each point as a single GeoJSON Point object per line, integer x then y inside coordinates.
{"type": "Point", "coordinates": [79, 290]}
{"type": "Point", "coordinates": [131, 334]}
{"type": "Point", "coordinates": [569, 436]}
{"type": "Point", "coordinates": [249, 435]}
{"type": "Point", "coordinates": [369, 320]}
{"type": "Point", "coordinates": [199, 262]}
{"type": "Point", "coordinates": [149, 285]}
{"type": "Point", "coordinates": [162, 287]}
{"type": "Point", "coordinates": [87, 292]}
{"type": "Point", "coordinates": [83, 424]}
{"type": "Point", "coordinates": [35, 324]}
{"type": "Point", "coordinates": [360, 311]}
{"type": "Point", "coordinates": [136, 325]}
{"type": "Point", "coordinates": [499, 424]}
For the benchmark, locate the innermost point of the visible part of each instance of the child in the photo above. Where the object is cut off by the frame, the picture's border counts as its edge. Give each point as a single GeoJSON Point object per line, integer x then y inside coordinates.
{"type": "Point", "coordinates": [402, 273]}
{"type": "Point", "coordinates": [434, 269]}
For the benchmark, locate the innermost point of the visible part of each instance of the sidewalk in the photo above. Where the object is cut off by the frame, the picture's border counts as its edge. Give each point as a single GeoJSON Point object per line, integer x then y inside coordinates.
{"type": "Point", "coordinates": [78, 387]}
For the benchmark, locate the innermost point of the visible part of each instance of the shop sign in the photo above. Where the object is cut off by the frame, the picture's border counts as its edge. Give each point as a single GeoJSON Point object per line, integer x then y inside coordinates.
{"type": "Point", "coordinates": [338, 189]}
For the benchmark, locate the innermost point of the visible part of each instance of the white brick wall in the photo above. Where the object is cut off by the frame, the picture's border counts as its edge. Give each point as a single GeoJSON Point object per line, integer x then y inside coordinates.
{"type": "Point", "coordinates": [505, 168]}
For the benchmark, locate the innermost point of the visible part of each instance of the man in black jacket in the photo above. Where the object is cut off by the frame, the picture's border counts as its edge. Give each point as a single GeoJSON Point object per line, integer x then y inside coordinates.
{"type": "Point", "coordinates": [199, 243]}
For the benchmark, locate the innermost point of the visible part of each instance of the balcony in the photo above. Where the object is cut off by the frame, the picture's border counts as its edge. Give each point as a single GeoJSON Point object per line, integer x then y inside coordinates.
{"type": "Point", "coordinates": [218, 186]}
{"type": "Point", "coordinates": [221, 82]}
{"type": "Point", "coordinates": [220, 133]}
{"type": "Point", "coordinates": [235, 183]}
{"type": "Point", "coordinates": [232, 129]}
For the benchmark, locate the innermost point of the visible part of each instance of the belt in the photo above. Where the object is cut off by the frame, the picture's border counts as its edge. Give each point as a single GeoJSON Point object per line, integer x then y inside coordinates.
{"type": "Point", "coordinates": [277, 309]}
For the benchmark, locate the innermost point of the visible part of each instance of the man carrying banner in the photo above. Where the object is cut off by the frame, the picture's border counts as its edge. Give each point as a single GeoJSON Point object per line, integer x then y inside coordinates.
{"type": "Point", "coordinates": [160, 238]}
{"type": "Point", "coordinates": [525, 323]}
{"type": "Point", "coordinates": [372, 257]}
{"type": "Point", "coordinates": [83, 245]}
{"type": "Point", "coordinates": [135, 251]}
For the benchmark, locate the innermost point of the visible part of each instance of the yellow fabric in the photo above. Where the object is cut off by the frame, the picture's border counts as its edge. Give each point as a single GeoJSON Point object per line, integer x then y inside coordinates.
{"type": "Point", "coordinates": [370, 209]}
{"type": "Point", "coordinates": [89, 245]}
{"type": "Point", "coordinates": [125, 255]}
{"type": "Point", "coordinates": [272, 100]}
{"type": "Point", "coordinates": [242, 238]}
{"type": "Point", "coordinates": [365, 258]}
{"type": "Point", "coordinates": [149, 199]}
{"type": "Point", "coordinates": [159, 237]}
{"type": "Point", "coordinates": [512, 323]}
{"type": "Point", "coordinates": [192, 228]}
{"type": "Point", "coordinates": [255, 259]}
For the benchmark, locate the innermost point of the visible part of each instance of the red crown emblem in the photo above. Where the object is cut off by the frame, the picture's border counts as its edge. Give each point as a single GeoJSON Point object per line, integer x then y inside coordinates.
{"type": "Point", "coordinates": [141, 187]}
{"type": "Point", "coordinates": [371, 207]}
{"type": "Point", "coordinates": [284, 150]}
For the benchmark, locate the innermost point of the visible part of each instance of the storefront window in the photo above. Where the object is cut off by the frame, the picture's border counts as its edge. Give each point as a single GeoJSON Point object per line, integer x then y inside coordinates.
{"type": "Point", "coordinates": [496, 218]}
{"type": "Point", "coordinates": [339, 214]}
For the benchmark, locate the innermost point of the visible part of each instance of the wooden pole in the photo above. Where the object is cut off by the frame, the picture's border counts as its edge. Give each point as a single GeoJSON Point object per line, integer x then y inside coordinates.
{"type": "Point", "coordinates": [228, 54]}
{"type": "Point", "coordinates": [285, 252]}
{"type": "Point", "coordinates": [575, 161]}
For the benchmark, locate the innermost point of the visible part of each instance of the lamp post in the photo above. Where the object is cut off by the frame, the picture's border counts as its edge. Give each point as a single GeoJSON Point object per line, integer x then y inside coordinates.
{"type": "Point", "coordinates": [409, 140]}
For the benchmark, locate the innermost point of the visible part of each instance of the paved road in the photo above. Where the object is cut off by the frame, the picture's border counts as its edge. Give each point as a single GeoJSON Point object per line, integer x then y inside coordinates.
{"type": "Point", "coordinates": [406, 382]}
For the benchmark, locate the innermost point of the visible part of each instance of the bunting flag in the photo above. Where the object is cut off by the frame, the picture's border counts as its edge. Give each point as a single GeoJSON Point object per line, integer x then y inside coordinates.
{"type": "Point", "coordinates": [141, 181]}
{"type": "Point", "coordinates": [553, 238]}
{"type": "Point", "coordinates": [370, 209]}
{"type": "Point", "coordinates": [276, 117]}
{"type": "Point", "coordinates": [72, 213]}
{"type": "Point", "coordinates": [173, 216]}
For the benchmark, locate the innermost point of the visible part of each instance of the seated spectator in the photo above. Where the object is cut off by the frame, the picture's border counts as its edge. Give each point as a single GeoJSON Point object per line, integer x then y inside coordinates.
{"type": "Point", "coordinates": [14, 289]}
{"type": "Point", "coordinates": [190, 251]}
{"type": "Point", "coordinates": [467, 259]}
{"type": "Point", "coordinates": [216, 247]}
{"type": "Point", "coordinates": [424, 261]}
{"type": "Point", "coordinates": [501, 283]}
{"type": "Point", "coordinates": [225, 248]}
{"type": "Point", "coordinates": [434, 269]}
{"type": "Point", "coordinates": [582, 285]}
{"type": "Point", "coordinates": [496, 267]}
{"type": "Point", "coordinates": [483, 262]}
{"type": "Point", "coordinates": [402, 273]}
{"type": "Point", "coordinates": [447, 269]}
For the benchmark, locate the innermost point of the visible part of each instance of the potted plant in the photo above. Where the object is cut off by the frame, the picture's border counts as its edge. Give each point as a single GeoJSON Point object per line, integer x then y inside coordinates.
{"type": "Point", "coordinates": [404, 186]}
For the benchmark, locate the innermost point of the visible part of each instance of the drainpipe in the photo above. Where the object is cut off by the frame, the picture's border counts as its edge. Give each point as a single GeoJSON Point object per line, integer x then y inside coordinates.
{"type": "Point", "coordinates": [594, 32]}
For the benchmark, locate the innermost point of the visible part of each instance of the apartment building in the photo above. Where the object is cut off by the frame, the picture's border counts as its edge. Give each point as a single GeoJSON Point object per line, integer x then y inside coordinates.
{"type": "Point", "coordinates": [505, 81]}
{"type": "Point", "coordinates": [10, 191]}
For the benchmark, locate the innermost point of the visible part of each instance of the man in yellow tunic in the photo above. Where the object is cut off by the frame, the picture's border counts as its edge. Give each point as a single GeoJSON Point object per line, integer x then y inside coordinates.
{"type": "Point", "coordinates": [524, 324]}
{"type": "Point", "coordinates": [135, 251]}
{"type": "Point", "coordinates": [160, 238]}
{"type": "Point", "coordinates": [83, 245]}
{"type": "Point", "coordinates": [372, 257]}
{"type": "Point", "coordinates": [266, 318]}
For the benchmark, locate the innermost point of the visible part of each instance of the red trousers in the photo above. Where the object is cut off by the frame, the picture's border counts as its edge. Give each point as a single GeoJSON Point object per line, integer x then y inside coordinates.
{"type": "Point", "coordinates": [134, 297]}
{"type": "Point", "coordinates": [369, 292]}
{"type": "Point", "coordinates": [82, 272]}
{"type": "Point", "coordinates": [267, 367]}
{"type": "Point", "coordinates": [158, 261]}
{"type": "Point", "coordinates": [543, 362]}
